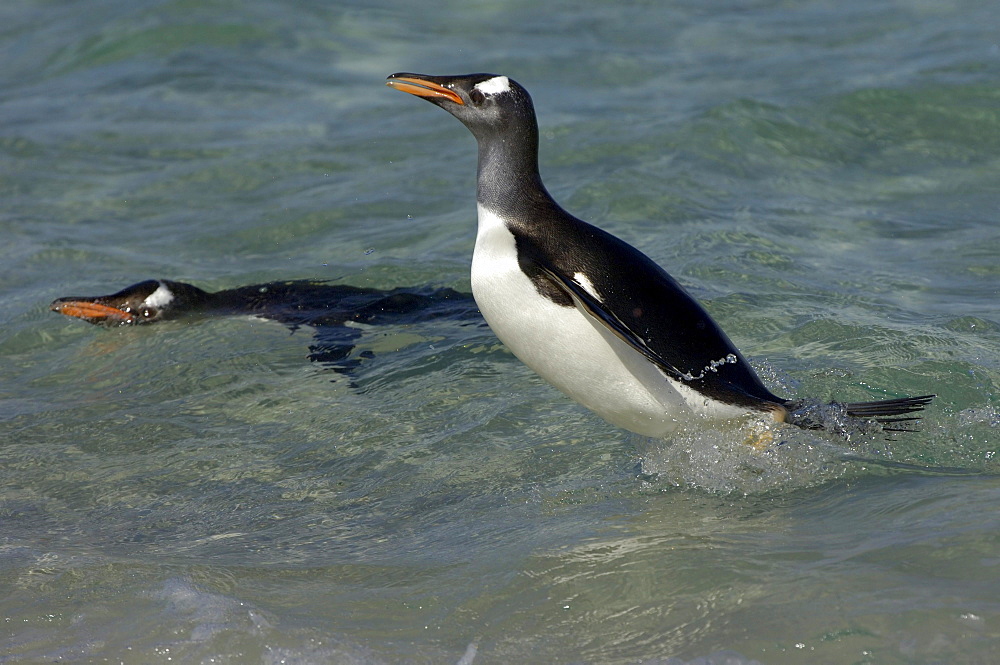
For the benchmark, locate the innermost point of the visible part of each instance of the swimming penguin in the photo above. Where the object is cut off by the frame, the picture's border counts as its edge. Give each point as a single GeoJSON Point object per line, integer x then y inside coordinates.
{"type": "Point", "coordinates": [330, 308]}
{"type": "Point", "coordinates": [303, 302]}
{"type": "Point", "coordinates": [146, 302]}
{"type": "Point", "coordinates": [592, 315]}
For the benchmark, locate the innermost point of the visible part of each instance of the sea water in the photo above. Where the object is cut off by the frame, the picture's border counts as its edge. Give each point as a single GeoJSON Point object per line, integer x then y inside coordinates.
{"type": "Point", "coordinates": [823, 176]}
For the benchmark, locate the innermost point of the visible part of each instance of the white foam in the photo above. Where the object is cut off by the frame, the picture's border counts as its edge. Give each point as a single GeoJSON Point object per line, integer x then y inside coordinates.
{"type": "Point", "coordinates": [494, 86]}
{"type": "Point", "coordinates": [469, 655]}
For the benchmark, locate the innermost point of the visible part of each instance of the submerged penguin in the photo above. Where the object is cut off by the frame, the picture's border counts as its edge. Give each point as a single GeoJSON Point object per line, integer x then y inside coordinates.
{"type": "Point", "coordinates": [592, 315]}
{"type": "Point", "coordinates": [329, 308]}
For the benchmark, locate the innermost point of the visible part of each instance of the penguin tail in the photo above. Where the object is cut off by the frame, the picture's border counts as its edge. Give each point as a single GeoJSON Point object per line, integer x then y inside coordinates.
{"type": "Point", "coordinates": [889, 412]}
{"type": "Point", "coordinates": [891, 415]}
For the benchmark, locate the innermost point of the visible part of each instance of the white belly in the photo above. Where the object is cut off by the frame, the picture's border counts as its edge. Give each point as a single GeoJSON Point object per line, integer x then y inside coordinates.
{"type": "Point", "coordinates": [571, 350]}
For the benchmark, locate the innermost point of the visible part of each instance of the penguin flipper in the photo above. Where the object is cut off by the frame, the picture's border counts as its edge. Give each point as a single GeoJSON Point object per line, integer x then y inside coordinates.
{"type": "Point", "coordinates": [333, 346]}
{"type": "Point", "coordinates": [586, 302]}
{"type": "Point", "coordinates": [715, 368]}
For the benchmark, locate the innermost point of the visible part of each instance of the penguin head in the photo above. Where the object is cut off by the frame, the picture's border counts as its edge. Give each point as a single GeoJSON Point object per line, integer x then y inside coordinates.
{"type": "Point", "coordinates": [490, 105]}
{"type": "Point", "coordinates": [145, 302]}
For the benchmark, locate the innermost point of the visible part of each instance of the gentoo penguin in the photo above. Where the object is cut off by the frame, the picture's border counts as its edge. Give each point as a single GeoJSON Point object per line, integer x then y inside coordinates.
{"type": "Point", "coordinates": [329, 308]}
{"type": "Point", "coordinates": [302, 302]}
{"type": "Point", "coordinates": [146, 302]}
{"type": "Point", "coordinates": [592, 315]}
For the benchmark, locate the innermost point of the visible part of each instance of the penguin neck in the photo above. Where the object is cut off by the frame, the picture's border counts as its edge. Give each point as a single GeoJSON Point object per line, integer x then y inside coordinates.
{"type": "Point", "coordinates": [508, 181]}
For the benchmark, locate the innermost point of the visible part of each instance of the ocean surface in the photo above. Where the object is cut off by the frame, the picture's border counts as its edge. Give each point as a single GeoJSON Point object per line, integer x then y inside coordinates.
{"type": "Point", "coordinates": [822, 175]}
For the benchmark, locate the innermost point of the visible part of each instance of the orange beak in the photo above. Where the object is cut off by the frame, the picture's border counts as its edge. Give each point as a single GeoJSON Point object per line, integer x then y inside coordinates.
{"type": "Point", "coordinates": [92, 312]}
{"type": "Point", "coordinates": [425, 89]}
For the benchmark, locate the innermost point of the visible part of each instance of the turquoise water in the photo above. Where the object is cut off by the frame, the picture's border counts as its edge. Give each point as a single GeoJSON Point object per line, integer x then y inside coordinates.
{"type": "Point", "coordinates": [822, 175]}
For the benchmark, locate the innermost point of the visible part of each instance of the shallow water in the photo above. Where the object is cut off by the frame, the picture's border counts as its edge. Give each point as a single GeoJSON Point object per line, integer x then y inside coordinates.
{"type": "Point", "coordinates": [822, 176]}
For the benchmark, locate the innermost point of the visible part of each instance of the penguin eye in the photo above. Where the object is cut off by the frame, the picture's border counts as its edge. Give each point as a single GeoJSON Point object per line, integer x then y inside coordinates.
{"type": "Point", "coordinates": [477, 97]}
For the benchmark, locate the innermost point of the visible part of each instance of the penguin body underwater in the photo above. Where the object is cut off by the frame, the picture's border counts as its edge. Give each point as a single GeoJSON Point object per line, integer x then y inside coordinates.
{"type": "Point", "coordinates": [333, 311]}
{"type": "Point", "coordinates": [294, 302]}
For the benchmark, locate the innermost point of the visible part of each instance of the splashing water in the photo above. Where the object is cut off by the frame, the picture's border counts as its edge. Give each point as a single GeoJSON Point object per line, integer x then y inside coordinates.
{"type": "Point", "coordinates": [724, 459]}
{"type": "Point", "coordinates": [712, 366]}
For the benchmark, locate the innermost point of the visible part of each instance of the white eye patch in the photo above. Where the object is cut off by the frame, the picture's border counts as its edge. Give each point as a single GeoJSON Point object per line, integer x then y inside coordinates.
{"type": "Point", "coordinates": [159, 298]}
{"type": "Point", "coordinates": [494, 86]}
